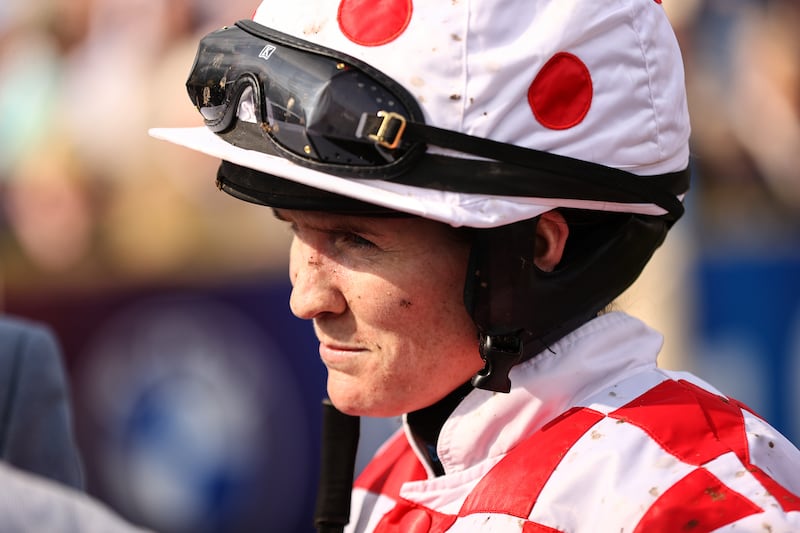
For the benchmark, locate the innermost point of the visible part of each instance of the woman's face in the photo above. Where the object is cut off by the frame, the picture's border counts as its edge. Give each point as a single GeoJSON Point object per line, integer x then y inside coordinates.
{"type": "Point", "coordinates": [386, 299]}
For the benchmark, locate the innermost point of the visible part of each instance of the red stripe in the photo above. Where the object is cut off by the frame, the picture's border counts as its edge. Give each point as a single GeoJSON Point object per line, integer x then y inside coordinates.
{"type": "Point", "coordinates": [725, 418]}
{"type": "Point", "coordinates": [745, 407]}
{"type": "Point", "coordinates": [531, 527]}
{"type": "Point", "coordinates": [688, 422]}
{"type": "Point", "coordinates": [408, 517]}
{"type": "Point", "coordinates": [698, 426]}
{"type": "Point", "coordinates": [698, 503]}
{"type": "Point", "coordinates": [787, 500]}
{"type": "Point", "coordinates": [514, 484]}
{"type": "Point", "coordinates": [736, 438]}
{"type": "Point", "coordinates": [393, 466]}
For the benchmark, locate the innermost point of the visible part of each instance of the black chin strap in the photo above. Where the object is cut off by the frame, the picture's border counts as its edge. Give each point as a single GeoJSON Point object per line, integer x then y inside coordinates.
{"type": "Point", "coordinates": [521, 310]}
{"type": "Point", "coordinates": [499, 353]}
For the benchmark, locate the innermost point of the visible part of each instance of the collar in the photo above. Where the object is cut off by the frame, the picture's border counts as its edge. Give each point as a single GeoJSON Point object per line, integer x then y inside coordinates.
{"type": "Point", "coordinates": [486, 425]}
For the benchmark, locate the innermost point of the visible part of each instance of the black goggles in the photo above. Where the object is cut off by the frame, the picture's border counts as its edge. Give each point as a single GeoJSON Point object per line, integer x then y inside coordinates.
{"type": "Point", "coordinates": [263, 90]}
{"type": "Point", "coordinates": [306, 103]}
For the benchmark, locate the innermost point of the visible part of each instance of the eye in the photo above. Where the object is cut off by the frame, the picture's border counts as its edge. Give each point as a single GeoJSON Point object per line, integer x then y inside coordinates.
{"type": "Point", "coordinates": [354, 240]}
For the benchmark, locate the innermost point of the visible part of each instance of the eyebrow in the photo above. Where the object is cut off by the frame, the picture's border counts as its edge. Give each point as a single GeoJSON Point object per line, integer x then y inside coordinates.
{"type": "Point", "coordinates": [332, 226]}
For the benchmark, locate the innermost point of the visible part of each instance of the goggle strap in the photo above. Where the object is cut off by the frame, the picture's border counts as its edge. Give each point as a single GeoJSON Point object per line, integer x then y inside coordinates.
{"type": "Point", "coordinates": [653, 189]}
{"type": "Point", "coordinates": [389, 129]}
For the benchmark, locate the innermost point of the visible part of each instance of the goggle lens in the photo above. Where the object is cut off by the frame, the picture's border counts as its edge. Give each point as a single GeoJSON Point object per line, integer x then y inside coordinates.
{"type": "Point", "coordinates": [309, 104]}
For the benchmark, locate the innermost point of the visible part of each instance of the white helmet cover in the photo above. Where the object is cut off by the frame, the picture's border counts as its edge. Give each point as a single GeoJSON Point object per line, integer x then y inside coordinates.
{"type": "Point", "coordinates": [596, 81]}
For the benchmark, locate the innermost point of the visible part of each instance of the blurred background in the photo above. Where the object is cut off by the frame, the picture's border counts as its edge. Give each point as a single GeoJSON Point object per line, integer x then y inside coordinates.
{"type": "Point", "coordinates": [196, 394]}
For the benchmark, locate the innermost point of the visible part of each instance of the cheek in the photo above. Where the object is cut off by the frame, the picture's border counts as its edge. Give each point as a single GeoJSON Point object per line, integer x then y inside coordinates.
{"type": "Point", "coordinates": [433, 305]}
{"type": "Point", "coordinates": [293, 258]}
{"type": "Point", "coordinates": [434, 337]}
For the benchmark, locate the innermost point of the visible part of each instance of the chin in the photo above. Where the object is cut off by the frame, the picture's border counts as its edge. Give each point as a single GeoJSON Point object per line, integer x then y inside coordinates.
{"type": "Point", "coordinates": [347, 402]}
{"type": "Point", "coordinates": [358, 405]}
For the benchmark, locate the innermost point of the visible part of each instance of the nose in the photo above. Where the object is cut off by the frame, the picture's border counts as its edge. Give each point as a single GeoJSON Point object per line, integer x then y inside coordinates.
{"type": "Point", "coordinates": [315, 287]}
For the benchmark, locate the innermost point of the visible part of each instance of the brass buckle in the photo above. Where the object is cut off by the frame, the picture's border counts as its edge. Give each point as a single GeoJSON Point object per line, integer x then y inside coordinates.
{"type": "Point", "coordinates": [386, 128]}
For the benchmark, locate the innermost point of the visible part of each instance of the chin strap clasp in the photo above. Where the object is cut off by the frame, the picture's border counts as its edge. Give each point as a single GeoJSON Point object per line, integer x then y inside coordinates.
{"type": "Point", "coordinates": [499, 353]}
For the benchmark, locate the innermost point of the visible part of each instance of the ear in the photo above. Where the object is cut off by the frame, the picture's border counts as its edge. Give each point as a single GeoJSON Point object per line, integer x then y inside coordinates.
{"type": "Point", "coordinates": [551, 237]}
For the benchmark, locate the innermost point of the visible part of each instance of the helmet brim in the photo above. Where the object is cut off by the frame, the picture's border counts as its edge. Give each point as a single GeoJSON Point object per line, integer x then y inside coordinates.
{"type": "Point", "coordinates": [290, 185]}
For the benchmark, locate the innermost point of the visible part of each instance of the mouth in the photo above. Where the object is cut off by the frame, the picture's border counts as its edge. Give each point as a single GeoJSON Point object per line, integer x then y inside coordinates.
{"type": "Point", "coordinates": [339, 356]}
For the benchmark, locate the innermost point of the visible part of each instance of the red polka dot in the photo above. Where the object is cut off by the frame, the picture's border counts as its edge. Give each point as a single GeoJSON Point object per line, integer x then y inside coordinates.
{"type": "Point", "coordinates": [374, 22]}
{"type": "Point", "coordinates": [561, 94]}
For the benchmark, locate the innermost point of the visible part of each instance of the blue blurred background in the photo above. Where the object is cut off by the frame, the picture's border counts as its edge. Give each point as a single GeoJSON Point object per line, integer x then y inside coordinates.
{"type": "Point", "coordinates": [196, 393]}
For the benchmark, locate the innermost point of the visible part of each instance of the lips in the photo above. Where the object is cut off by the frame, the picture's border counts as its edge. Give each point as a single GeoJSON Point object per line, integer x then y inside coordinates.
{"type": "Point", "coordinates": [338, 356]}
{"type": "Point", "coordinates": [333, 347]}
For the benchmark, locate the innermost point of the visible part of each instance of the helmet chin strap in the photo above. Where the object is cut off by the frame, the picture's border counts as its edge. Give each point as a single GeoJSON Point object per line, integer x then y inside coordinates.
{"type": "Point", "coordinates": [499, 354]}
{"type": "Point", "coordinates": [520, 310]}
{"type": "Point", "coordinates": [501, 262]}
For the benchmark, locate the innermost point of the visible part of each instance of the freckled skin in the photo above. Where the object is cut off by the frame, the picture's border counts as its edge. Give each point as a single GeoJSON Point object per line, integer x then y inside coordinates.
{"type": "Point", "coordinates": [386, 299]}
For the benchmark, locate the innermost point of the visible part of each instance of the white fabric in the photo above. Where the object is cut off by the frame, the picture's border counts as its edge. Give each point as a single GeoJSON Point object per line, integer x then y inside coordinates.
{"type": "Point", "coordinates": [470, 65]}
{"type": "Point", "coordinates": [608, 479]}
{"type": "Point", "coordinates": [31, 504]}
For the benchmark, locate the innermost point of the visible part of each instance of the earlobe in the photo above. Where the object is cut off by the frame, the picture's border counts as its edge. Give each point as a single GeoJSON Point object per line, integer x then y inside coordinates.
{"type": "Point", "coordinates": [551, 237]}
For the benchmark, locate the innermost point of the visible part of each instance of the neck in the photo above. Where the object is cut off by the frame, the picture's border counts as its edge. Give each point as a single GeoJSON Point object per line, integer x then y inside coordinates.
{"type": "Point", "coordinates": [426, 423]}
